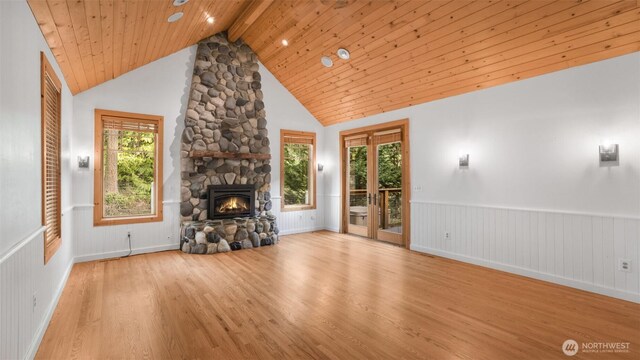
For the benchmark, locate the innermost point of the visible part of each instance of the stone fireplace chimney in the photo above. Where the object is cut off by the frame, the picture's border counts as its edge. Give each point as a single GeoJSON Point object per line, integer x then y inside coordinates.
{"type": "Point", "coordinates": [225, 141]}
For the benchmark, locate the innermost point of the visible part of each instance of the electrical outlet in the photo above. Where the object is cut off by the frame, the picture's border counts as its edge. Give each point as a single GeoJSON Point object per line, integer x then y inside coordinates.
{"type": "Point", "coordinates": [417, 188]}
{"type": "Point", "coordinates": [447, 235]}
{"type": "Point", "coordinates": [624, 265]}
{"type": "Point", "coordinates": [35, 301]}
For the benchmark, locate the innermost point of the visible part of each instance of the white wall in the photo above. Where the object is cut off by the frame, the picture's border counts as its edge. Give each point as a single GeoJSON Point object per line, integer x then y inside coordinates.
{"type": "Point", "coordinates": [533, 146]}
{"type": "Point", "coordinates": [22, 270]}
{"type": "Point", "coordinates": [284, 111]}
{"type": "Point", "coordinates": [159, 88]}
{"type": "Point", "coordinates": [162, 88]}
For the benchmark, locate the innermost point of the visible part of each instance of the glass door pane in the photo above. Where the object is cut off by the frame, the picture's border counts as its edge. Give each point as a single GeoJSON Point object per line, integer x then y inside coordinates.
{"type": "Point", "coordinates": [357, 182]}
{"type": "Point", "coordinates": [389, 199]}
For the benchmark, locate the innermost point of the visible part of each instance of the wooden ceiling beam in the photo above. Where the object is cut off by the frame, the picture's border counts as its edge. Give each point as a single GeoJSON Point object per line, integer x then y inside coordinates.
{"type": "Point", "coordinates": [297, 22]}
{"type": "Point", "coordinates": [249, 16]}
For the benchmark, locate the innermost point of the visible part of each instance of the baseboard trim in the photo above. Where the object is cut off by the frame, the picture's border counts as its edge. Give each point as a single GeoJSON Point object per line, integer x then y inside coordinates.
{"type": "Point", "coordinates": [120, 253]}
{"type": "Point", "coordinates": [302, 230]}
{"type": "Point", "coordinates": [560, 280]}
{"type": "Point", "coordinates": [44, 324]}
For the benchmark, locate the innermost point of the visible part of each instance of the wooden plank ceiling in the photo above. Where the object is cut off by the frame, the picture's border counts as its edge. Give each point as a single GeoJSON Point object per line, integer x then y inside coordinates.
{"type": "Point", "coordinates": [97, 40]}
{"type": "Point", "coordinates": [409, 52]}
{"type": "Point", "coordinates": [403, 52]}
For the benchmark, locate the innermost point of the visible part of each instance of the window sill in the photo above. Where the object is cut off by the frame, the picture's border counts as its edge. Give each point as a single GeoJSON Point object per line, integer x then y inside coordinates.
{"type": "Point", "coordinates": [297, 208]}
{"type": "Point", "coordinates": [127, 220]}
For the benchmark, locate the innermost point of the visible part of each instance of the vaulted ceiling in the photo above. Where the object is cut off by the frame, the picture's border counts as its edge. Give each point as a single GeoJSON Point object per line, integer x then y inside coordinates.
{"type": "Point", "coordinates": [402, 52]}
{"type": "Point", "coordinates": [98, 40]}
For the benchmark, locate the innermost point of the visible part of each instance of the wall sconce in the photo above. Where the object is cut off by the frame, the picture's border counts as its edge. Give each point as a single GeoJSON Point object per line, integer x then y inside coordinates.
{"type": "Point", "coordinates": [320, 167]}
{"type": "Point", "coordinates": [83, 162]}
{"type": "Point", "coordinates": [608, 152]}
{"type": "Point", "coordinates": [463, 160]}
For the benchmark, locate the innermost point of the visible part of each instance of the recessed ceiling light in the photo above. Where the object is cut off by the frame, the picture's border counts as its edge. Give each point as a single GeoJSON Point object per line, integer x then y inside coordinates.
{"type": "Point", "coordinates": [343, 54]}
{"type": "Point", "coordinates": [285, 42]}
{"type": "Point", "coordinates": [211, 19]}
{"type": "Point", "coordinates": [179, 2]}
{"type": "Point", "coordinates": [175, 17]}
{"type": "Point", "coordinates": [326, 61]}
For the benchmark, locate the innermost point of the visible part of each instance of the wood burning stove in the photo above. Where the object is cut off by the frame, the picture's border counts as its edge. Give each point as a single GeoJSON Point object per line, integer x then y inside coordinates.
{"type": "Point", "coordinates": [230, 201]}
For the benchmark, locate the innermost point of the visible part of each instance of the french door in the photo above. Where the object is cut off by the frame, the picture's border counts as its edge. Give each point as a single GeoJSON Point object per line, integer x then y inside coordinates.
{"type": "Point", "coordinates": [375, 183]}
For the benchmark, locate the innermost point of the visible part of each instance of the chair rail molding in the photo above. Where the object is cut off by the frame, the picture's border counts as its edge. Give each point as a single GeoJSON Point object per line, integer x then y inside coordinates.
{"type": "Point", "coordinates": [581, 250]}
{"type": "Point", "coordinates": [20, 244]}
{"type": "Point", "coordinates": [505, 207]}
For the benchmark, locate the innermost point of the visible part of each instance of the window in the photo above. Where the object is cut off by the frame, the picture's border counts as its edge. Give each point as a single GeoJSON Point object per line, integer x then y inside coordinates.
{"type": "Point", "coordinates": [297, 170]}
{"type": "Point", "coordinates": [50, 97]}
{"type": "Point", "coordinates": [128, 168]}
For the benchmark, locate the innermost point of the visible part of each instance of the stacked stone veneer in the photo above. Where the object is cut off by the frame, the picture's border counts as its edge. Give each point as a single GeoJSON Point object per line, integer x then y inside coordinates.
{"type": "Point", "coordinates": [225, 114]}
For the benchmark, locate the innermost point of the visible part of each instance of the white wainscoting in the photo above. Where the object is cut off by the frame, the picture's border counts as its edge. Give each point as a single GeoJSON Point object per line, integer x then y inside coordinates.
{"type": "Point", "coordinates": [23, 274]}
{"type": "Point", "coordinates": [102, 242]}
{"type": "Point", "coordinates": [294, 222]}
{"type": "Point", "coordinates": [578, 250]}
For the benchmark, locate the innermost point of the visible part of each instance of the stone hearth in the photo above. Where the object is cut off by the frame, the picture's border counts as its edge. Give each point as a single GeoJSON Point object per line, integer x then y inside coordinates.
{"type": "Point", "coordinates": [213, 236]}
{"type": "Point", "coordinates": [225, 142]}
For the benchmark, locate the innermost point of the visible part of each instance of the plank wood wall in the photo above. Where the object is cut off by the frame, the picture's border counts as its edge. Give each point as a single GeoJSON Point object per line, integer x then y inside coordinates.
{"type": "Point", "coordinates": [23, 274]}
{"type": "Point", "coordinates": [577, 250]}
{"type": "Point", "coordinates": [102, 242]}
{"type": "Point", "coordinates": [293, 222]}
{"type": "Point", "coordinates": [21, 330]}
{"type": "Point", "coordinates": [572, 249]}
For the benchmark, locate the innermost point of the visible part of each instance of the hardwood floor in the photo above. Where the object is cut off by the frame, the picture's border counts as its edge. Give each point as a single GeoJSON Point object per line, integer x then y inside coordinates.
{"type": "Point", "coordinates": [324, 296]}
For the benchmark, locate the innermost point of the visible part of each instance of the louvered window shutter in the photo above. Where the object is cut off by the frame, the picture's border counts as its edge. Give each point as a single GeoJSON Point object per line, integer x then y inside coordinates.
{"type": "Point", "coordinates": [51, 166]}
